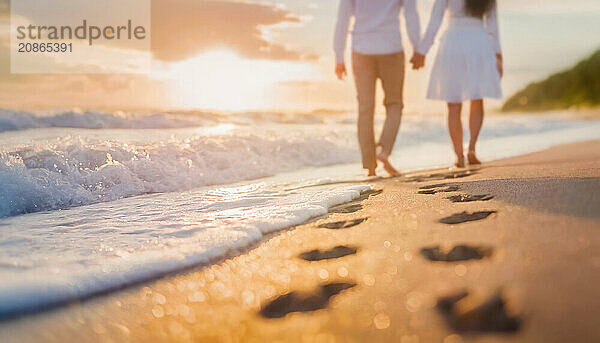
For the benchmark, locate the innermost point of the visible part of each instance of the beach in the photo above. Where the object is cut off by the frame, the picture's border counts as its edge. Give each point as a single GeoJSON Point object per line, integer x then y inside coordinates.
{"type": "Point", "coordinates": [291, 171]}
{"type": "Point", "coordinates": [526, 265]}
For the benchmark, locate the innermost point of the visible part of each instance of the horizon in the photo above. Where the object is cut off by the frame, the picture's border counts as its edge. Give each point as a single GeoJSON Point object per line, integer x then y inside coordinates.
{"type": "Point", "coordinates": [278, 65]}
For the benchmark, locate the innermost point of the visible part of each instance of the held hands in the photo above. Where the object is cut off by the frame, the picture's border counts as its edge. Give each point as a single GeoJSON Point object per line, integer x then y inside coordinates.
{"type": "Point", "coordinates": [340, 71]}
{"type": "Point", "coordinates": [417, 61]}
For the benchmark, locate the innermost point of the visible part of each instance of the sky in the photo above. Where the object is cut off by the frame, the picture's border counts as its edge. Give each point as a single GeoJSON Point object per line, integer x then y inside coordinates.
{"type": "Point", "coordinates": [231, 55]}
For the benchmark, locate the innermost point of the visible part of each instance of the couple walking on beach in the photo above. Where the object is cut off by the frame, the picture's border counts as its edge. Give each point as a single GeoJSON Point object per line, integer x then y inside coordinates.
{"type": "Point", "coordinates": [468, 66]}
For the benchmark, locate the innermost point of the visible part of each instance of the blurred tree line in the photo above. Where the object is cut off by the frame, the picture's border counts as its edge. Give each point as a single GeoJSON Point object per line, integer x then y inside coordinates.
{"type": "Point", "coordinates": [576, 87]}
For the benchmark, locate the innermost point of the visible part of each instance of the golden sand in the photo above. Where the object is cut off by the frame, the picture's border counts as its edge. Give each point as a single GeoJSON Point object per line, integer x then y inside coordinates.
{"type": "Point", "coordinates": [526, 253]}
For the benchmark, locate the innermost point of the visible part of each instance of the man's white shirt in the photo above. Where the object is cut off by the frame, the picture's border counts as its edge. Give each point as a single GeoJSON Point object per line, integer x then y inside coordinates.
{"type": "Point", "coordinates": [376, 28]}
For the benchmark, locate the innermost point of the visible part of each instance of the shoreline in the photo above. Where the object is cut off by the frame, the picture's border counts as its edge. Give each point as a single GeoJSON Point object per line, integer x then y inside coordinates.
{"type": "Point", "coordinates": [543, 209]}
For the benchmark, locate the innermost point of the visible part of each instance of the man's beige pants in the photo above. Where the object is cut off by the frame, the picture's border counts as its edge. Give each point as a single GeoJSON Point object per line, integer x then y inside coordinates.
{"type": "Point", "coordinates": [367, 69]}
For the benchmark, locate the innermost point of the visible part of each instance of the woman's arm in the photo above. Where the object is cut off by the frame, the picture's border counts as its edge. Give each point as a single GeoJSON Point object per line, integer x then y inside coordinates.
{"type": "Point", "coordinates": [491, 26]}
{"type": "Point", "coordinates": [437, 16]}
{"type": "Point", "coordinates": [413, 25]}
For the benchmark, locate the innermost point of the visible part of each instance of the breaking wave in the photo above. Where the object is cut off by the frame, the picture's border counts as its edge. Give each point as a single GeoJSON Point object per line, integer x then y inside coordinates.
{"type": "Point", "coordinates": [70, 171]}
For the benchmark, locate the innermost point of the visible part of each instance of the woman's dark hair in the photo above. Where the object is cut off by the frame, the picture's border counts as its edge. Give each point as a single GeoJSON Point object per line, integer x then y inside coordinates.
{"type": "Point", "coordinates": [477, 8]}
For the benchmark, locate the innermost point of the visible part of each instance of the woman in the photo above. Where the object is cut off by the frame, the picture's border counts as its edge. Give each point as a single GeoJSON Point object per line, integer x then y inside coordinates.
{"type": "Point", "coordinates": [468, 66]}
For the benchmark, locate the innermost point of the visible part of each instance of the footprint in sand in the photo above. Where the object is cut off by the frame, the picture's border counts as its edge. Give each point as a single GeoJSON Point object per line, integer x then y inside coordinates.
{"type": "Point", "coordinates": [367, 194]}
{"type": "Point", "coordinates": [344, 224]}
{"type": "Point", "coordinates": [466, 217]}
{"type": "Point", "coordinates": [355, 205]}
{"type": "Point", "coordinates": [442, 176]}
{"type": "Point", "coordinates": [337, 252]}
{"type": "Point", "coordinates": [439, 190]}
{"type": "Point", "coordinates": [488, 316]}
{"type": "Point", "coordinates": [458, 253]}
{"type": "Point", "coordinates": [347, 208]}
{"type": "Point", "coordinates": [303, 301]}
{"type": "Point", "coordinates": [470, 198]}
{"type": "Point", "coordinates": [434, 186]}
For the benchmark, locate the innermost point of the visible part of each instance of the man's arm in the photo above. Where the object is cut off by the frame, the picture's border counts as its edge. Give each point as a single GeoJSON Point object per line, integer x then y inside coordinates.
{"type": "Point", "coordinates": [345, 12]}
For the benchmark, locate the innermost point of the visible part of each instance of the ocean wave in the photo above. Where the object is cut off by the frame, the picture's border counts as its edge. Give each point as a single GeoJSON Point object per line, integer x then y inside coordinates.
{"type": "Point", "coordinates": [107, 247]}
{"type": "Point", "coordinates": [20, 120]}
{"type": "Point", "coordinates": [16, 120]}
{"type": "Point", "coordinates": [74, 171]}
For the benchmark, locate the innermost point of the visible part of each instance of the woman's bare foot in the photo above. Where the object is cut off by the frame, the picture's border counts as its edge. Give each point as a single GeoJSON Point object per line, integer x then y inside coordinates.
{"type": "Point", "coordinates": [460, 162]}
{"type": "Point", "coordinates": [389, 168]}
{"type": "Point", "coordinates": [473, 160]}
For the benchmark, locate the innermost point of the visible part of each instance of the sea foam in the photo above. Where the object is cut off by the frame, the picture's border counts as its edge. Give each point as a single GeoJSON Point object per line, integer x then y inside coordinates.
{"type": "Point", "coordinates": [94, 249]}
{"type": "Point", "coordinates": [73, 171]}
{"type": "Point", "coordinates": [148, 212]}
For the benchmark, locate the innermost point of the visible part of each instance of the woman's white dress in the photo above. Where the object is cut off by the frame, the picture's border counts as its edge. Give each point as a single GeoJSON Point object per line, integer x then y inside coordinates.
{"type": "Point", "coordinates": [465, 67]}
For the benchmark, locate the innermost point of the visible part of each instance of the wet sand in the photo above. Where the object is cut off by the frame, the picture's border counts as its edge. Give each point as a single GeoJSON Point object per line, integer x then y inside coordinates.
{"type": "Point", "coordinates": [509, 252]}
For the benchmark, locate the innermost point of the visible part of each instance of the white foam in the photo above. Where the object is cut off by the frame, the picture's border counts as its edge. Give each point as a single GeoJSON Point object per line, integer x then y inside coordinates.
{"type": "Point", "coordinates": [71, 171]}
{"type": "Point", "coordinates": [127, 233]}
{"type": "Point", "coordinates": [89, 250]}
{"type": "Point", "coordinates": [104, 165]}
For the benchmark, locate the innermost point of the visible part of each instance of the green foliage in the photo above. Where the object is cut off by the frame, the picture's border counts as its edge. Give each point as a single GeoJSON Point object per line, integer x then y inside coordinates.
{"type": "Point", "coordinates": [577, 87]}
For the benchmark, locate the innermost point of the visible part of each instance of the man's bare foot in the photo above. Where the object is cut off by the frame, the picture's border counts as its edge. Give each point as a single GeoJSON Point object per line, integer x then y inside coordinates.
{"type": "Point", "coordinates": [372, 173]}
{"type": "Point", "coordinates": [389, 168]}
{"type": "Point", "coordinates": [460, 162]}
{"type": "Point", "coordinates": [473, 160]}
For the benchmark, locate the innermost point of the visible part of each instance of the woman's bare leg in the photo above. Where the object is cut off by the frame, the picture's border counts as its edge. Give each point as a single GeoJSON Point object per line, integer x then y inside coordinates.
{"type": "Point", "coordinates": [475, 123]}
{"type": "Point", "coordinates": [456, 132]}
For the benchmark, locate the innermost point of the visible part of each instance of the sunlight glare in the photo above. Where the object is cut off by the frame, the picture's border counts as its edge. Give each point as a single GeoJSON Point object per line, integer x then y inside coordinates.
{"type": "Point", "coordinates": [221, 80]}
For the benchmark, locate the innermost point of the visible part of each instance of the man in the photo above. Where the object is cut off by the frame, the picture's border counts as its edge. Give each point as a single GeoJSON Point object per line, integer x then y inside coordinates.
{"type": "Point", "coordinates": [377, 53]}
